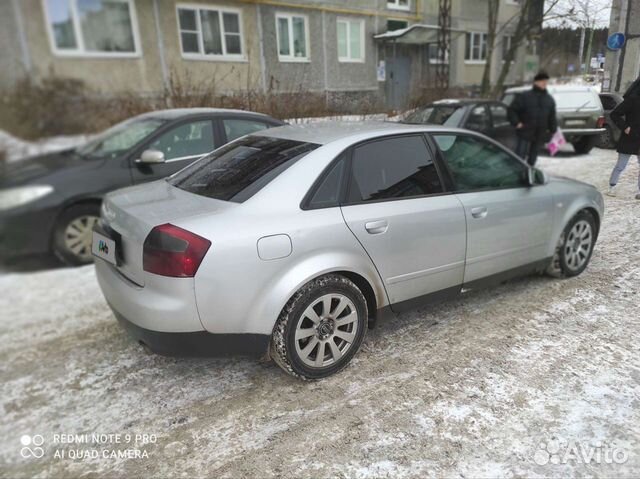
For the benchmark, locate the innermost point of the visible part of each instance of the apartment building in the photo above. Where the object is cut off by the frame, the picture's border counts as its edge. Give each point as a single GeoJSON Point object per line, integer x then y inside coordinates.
{"type": "Point", "coordinates": [382, 50]}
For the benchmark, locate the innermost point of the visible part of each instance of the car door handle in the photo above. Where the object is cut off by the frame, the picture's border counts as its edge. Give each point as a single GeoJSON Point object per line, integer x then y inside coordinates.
{"type": "Point", "coordinates": [376, 227]}
{"type": "Point", "coordinates": [479, 212]}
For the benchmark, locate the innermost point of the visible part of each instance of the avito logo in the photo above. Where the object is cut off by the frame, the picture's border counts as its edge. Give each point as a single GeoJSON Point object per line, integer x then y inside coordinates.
{"type": "Point", "coordinates": [103, 247]}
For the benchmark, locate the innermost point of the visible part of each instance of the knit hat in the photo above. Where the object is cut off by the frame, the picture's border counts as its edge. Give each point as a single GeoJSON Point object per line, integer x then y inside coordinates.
{"type": "Point", "coordinates": [542, 75]}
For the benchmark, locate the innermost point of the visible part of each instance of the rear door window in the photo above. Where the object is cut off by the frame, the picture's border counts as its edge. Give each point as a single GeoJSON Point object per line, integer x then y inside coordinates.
{"type": "Point", "coordinates": [391, 168]}
{"type": "Point", "coordinates": [235, 128]}
{"type": "Point", "coordinates": [239, 170]}
{"type": "Point", "coordinates": [499, 116]}
{"type": "Point", "coordinates": [478, 119]}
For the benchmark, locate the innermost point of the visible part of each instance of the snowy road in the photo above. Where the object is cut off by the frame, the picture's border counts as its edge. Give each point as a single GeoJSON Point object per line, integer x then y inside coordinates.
{"type": "Point", "coordinates": [526, 379]}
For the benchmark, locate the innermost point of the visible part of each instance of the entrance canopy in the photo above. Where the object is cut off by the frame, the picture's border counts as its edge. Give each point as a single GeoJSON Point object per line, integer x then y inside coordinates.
{"type": "Point", "coordinates": [418, 34]}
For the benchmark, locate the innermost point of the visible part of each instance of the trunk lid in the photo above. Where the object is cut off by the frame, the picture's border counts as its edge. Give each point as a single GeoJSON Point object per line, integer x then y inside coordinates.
{"type": "Point", "coordinates": [131, 213]}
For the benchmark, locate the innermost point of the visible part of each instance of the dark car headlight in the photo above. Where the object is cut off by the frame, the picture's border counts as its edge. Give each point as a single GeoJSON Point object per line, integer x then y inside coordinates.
{"type": "Point", "coordinates": [13, 197]}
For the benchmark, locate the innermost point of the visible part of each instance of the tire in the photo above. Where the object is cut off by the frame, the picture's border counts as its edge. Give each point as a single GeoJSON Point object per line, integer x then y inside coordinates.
{"type": "Point", "coordinates": [305, 318]}
{"type": "Point", "coordinates": [71, 241]}
{"type": "Point", "coordinates": [572, 256]}
{"type": "Point", "coordinates": [606, 139]}
{"type": "Point", "coordinates": [584, 145]}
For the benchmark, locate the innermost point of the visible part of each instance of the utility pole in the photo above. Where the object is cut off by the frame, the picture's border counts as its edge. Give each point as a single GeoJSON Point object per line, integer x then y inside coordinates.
{"type": "Point", "coordinates": [444, 44]}
{"type": "Point", "coordinates": [581, 50]}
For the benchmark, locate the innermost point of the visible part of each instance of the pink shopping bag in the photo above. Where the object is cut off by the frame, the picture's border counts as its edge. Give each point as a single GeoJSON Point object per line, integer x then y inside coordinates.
{"type": "Point", "coordinates": [557, 141]}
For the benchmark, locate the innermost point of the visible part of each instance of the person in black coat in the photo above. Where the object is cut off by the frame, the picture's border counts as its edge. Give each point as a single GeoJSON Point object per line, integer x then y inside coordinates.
{"type": "Point", "coordinates": [533, 113]}
{"type": "Point", "coordinates": [626, 117]}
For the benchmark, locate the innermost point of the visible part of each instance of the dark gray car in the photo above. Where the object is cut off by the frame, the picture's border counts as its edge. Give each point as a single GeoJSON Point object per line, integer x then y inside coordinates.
{"type": "Point", "coordinates": [612, 134]}
{"type": "Point", "coordinates": [51, 202]}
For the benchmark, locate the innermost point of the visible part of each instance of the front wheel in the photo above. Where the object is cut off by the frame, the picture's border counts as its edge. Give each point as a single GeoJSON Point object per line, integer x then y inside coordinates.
{"type": "Point", "coordinates": [575, 247]}
{"type": "Point", "coordinates": [584, 145]}
{"type": "Point", "coordinates": [321, 328]}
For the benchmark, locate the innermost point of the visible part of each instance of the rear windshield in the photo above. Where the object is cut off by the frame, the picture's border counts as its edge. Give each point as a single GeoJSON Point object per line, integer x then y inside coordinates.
{"type": "Point", "coordinates": [436, 115]}
{"type": "Point", "coordinates": [240, 169]}
{"type": "Point", "coordinates": [574, 100]}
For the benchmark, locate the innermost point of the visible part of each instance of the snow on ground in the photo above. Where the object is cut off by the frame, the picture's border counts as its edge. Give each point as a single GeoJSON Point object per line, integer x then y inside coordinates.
{"type": "Point", "coordinates": [500, 383]}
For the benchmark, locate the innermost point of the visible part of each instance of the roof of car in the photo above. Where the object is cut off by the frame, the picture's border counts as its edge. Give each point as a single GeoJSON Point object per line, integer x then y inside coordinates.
{"type": "Point", "coordinates": [173, 113]}
{"type": "Point", "coordinates": [327, 132]}
{"type": "Point", "coordinates": [462, 101]}
{"type": "Point", "coordinates": [554, 88]}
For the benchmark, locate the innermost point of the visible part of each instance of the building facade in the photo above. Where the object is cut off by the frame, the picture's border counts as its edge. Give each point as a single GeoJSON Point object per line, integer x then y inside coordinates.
{"type": "Point", "coordinates": [622, 67]}
{"type": "Point", "coordinates": [329, 46]}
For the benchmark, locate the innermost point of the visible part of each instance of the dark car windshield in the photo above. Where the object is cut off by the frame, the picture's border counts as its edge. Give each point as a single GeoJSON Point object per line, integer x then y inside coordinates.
{"type": "Point", "coordinates": [120, 138]}
{"type": "Point", "coordinates": [448, 115]}
{"type": "Point", "coordinates": [240, 169]}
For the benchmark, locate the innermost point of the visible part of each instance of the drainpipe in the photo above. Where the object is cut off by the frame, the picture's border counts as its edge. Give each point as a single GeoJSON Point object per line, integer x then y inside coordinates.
{"type": "Point", "coordinates": [22, 37]}
{"type": "Point", "coordinates": [161, 52]}
{"type": "Point", "coordinates": [324, 62]}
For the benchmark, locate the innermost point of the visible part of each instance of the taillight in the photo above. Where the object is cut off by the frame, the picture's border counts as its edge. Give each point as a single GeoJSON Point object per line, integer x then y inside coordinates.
{"type": "Point", "coordinates": [172, 251]}
{"type": "Point", "coordinates": [601, 121]}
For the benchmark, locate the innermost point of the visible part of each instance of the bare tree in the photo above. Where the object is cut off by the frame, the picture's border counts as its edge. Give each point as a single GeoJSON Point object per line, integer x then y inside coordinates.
{"type": "Point", "coordinates": [587, 15]}
{"type": "Point", "coordinates": [524, 29]}
{"type": "Point", "coordinates": [492, 26]}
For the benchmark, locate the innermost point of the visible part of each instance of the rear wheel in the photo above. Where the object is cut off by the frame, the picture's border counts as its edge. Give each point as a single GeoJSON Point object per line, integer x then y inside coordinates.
{"type": "Point", "coordinates": [606, 140]}
{"type": "Point", "coordinates": [575, 247]}
{"type": "Point", "coordinates": [584, 145]}
{"type": "Point", "coordinates": [321, 328]}
{"type": "Point", "coordinates": [73, 232]}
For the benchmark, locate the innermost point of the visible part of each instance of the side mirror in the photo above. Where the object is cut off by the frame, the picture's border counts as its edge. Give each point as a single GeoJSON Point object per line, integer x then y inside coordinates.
{"type": "Point", "coordinates": [536, 177]}
{"type": "Point", "coordinates": [531, 176]}
{"type": "Point", "coordinates": [151, 157]}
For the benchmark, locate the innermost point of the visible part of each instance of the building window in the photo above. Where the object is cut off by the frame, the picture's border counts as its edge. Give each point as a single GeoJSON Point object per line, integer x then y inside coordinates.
{"type": "Point", "coordinates": [393, 25]}
{"type": "Point", "coordinates": [507, 41]}
{"type": "Point", "coordinates": [350, 40]}
{"type": "Point", "coordinates": [476, 47]}
{"type": "Point", "coordinates": [92, 27]}
{"type": "Point", "coordinates": [210, 32]}
{"type": "Point", "coordinates": [399, 4]}
{"type": "Point", "coordinates": [434, 54]}
{"type": "Point", "coordinates": [293, 37]}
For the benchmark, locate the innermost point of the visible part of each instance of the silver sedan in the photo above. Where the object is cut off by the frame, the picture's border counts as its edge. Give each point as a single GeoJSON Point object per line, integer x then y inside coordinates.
{"type": "Point", "coordinates": [293, 241]}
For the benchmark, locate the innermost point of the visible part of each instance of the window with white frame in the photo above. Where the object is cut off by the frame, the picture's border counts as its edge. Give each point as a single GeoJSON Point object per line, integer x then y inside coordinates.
{"type": "Point", "coordinates": [92, 27]}
{"type": "Point", "coordinates": [476, 47]}
{"type": "Point", "coordinates": [210, 32]}
{"type": "Point", "coordinates": [292, 33]}
{"type": "Point", "coordinates": [350, 40]}
{"type": "Point", "coordinates": [507, 41]}
{"type": "Point", "coordinates": [399, 4]}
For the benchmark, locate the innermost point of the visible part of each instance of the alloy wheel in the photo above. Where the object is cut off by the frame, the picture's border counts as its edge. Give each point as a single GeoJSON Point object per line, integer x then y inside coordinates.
{"type": "Point", "coordinates": [326, 330]}
{"type": "Point", "coordinates": [78, 235]}
{"type": "Point", "coordinates": [577, 247]}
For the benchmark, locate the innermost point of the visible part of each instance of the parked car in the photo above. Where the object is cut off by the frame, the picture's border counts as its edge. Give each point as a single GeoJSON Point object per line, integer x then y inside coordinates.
{"type": "Point", "coordinates": [579, 110]}
{"type": "Point", "coordinates": [293, 240]}
{"type": "Point", "coordinates": [484, 116]}
{"type": "Point", "coordinates": [610, 137]}
{"type": "Point", "coordinates": [51, 202]}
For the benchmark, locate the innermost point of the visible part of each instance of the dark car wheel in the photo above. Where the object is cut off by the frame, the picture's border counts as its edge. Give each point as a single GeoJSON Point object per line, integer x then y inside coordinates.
{"type": "Point", "coordinates": [606, 139]}
{"type": "Point", "coordinates": [72, 234]}
{"type": "Point", "coordinates": [584, 145]}
{"type": "Point", "coordinates": [575, 246]}
{"type": "Point", "coordinates": [321, 328]}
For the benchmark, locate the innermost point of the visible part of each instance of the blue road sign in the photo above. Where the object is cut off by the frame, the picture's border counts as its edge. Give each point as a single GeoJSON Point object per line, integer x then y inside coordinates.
{"type": "Point", "coordinates": [616, 41]}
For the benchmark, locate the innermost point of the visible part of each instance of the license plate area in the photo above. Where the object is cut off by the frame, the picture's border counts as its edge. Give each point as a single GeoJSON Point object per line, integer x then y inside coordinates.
{"type": "Point", "coordinates": [104, 247]}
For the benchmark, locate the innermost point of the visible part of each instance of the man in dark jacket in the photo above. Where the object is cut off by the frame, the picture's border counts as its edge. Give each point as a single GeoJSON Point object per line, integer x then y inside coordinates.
{"type": "Point", "coordinates": [626, 117]}
{"type": "Point", "coordinates": [533, 113]}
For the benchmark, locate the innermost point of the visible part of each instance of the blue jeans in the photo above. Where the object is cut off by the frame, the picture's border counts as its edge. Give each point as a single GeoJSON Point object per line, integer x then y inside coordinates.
{"type": "Point", "coordinates": [623, 161]}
